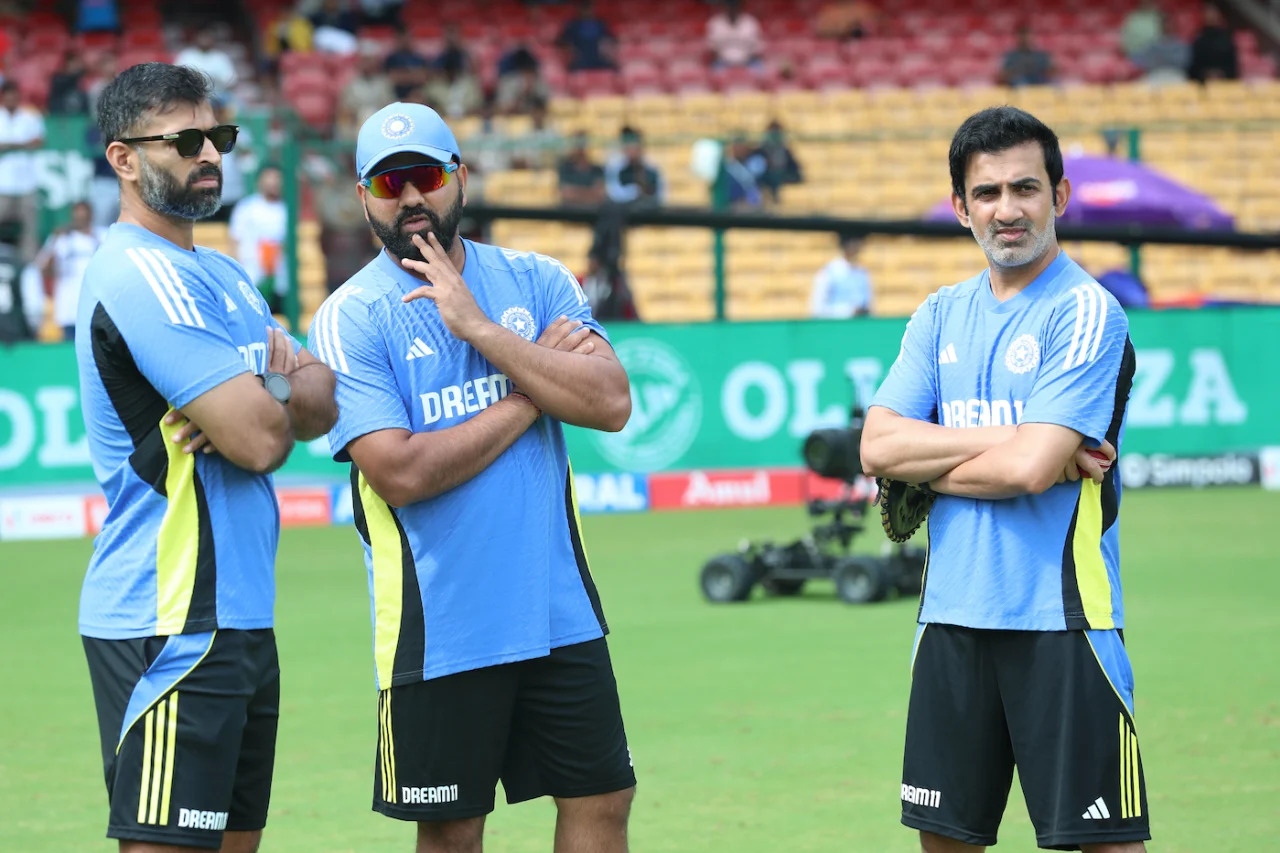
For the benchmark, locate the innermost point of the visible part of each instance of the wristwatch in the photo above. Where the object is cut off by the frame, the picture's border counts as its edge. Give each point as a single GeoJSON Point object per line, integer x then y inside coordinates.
{"type": "Point", "coordinates": [277, 385]}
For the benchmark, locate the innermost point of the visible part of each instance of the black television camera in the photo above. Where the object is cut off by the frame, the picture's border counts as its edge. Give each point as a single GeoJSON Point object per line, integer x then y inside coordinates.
{"type": "Point", "coordinates": [825, 553]}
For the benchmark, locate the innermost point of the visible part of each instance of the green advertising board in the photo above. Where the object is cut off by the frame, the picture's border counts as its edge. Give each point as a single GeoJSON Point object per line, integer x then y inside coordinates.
{"type": "Point", "coordinates": [732, 395]}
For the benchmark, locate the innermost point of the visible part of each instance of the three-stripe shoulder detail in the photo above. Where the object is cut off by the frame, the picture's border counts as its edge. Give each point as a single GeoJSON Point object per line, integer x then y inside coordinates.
{"type": "Point", "coordinates": [1091, 322]}
{"type": "Point", "coordinates": [169, 288]}
{"type": "Point", "coordinates": [327, 332]}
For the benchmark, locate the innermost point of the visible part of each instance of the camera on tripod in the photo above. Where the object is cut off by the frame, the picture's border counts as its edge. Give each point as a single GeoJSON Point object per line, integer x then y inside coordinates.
{"type": "Point", "coordinates": [826, 552]}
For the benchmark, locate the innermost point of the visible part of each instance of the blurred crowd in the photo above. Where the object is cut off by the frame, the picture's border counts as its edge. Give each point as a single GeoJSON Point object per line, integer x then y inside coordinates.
{"type": "Point", "coordinates": [371, 57]}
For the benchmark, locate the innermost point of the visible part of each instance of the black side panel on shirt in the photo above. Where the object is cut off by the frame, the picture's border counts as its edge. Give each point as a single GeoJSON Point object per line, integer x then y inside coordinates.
{"type": "Point", "coordinates": [203, 610]}
{"type": "Point", "coordinates": [1124, 384]}
{"type": "Point", "coordinates": [411, 649]}
{"type": "Point", "coordinates": [1071, 600]}
{"type": "Point", "coordinates": [579, 553]}
{"type": "Point", "coordinates": [138, 405]}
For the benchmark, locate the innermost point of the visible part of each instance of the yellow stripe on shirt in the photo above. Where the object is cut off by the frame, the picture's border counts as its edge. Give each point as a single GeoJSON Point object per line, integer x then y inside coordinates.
{"type": "Point", "coordinates": [178, 542]}
{"type": "Point", "coordinates": [388, 580]}
{"type": "Point", "coordinates": [1086, 550]}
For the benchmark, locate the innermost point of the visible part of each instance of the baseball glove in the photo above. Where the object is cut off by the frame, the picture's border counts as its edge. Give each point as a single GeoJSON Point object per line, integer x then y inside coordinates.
{"type": "Point", "coordinates": [903, 507]}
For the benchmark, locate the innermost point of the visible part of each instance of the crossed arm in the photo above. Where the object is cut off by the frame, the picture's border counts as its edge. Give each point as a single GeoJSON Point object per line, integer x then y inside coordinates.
{"type": "Point", "coordinates": [981, 462]}
{"type": "Point", "coordinates": [244, 423]}
{"type": "Point", "coordinates": [404, 467]}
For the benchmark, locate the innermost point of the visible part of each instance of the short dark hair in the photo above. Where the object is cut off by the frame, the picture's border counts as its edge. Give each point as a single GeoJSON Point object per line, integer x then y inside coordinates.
{"type": "Point", "coordinates": [144, 89]}
{"type": "Point", "coordinates": [997, 129]}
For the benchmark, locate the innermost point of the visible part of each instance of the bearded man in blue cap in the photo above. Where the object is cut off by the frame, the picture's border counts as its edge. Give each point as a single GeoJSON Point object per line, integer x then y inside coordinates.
{"type": "Point", "coordinates": [456, 364]}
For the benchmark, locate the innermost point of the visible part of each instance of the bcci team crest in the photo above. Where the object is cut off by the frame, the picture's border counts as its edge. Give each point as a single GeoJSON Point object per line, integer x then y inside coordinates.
{"type": "Point", "coordinates": [251, 296]}
{"type": "Point", "coordinates": [520, 321]}
{"type": "Point", "coordinates": [397, 126]}
{"type": "Point", "coordinates": [1023, 355]}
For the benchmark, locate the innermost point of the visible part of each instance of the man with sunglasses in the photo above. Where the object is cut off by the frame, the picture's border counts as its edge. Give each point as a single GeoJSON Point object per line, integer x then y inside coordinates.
{"type": "Point", "coordinates": [192, 394]}
{"type": "Point", "coordinates": [456, 365]}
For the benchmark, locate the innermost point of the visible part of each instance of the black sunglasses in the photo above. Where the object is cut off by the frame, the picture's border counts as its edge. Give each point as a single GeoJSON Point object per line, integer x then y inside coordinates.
{"type": "Point", "coordinates": [189, 142]}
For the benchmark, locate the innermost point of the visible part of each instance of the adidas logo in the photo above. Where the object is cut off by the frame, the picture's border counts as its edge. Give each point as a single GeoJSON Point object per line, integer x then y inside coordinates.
{"type": "Point", "coordinates": [948, 355]}
{"type": "Point", "coordinates": [419, 350]}
{"type": "Point", "coordinates": [231, 306]}
{"type": "Point", "coordinates": [1097, 811]}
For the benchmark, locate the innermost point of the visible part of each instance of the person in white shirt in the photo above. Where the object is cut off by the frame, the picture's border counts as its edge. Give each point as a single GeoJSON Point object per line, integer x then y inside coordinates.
{"type": "Point", "coordinates": [258, 226]}
{"type": "Point", "coordinates": [734, 38]}
{"type": "Point", "coordinates": [63, 260]}
{"type": "Point", "coordinates": [21, 132]}
{"type": "Point", "coordinates": [205, 55]}
{"type": "Point", "coordinates": [842, 288]}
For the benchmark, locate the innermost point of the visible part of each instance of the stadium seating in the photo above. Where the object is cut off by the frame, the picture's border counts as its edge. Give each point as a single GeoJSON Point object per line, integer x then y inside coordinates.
{"type": "Point", "coordinates": [870, 120]}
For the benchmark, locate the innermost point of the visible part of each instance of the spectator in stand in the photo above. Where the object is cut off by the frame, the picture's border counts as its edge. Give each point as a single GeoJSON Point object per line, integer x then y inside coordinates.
{"type": "Point", "coordinates": [1213, 52]}
{"type": "Point", "coordinates": [520, 83]}
{"type": "Point", "coordinates": [454, 54]}
{"type": "Point", "coordinates": [1141, 28]}
{"type": "Point", "coordinates": [580, 179]}
{"type": "Point", "coordinates": [366, 93]}
{"type": "Point", "coordinates": [333, 28]}
{"type": "Point", "coordinates": [406, 67]}
{"type": "Point", "coordinates": [588, 41]}
{"type": "Point", "coordinates": [240, 162]}
{"type": "Point", "coordinates": [97, 16]}
{"type": "Point", "coordinates": [538, 147]}
{"type": "Point", "coordinates": [842, 288]}
{"type": "Point", "coordinates": [454, 90]}
{"type": "Point", "coordinates": [1026, 64]}
{"type": "Point", "coordinates": [382, 13]}
{"type": "Point", "coordinates": [66, 91]}
{"type": "Point", "coordinates": [1164, 60]}
{"type": "Point", "coordinates": [773, 164]}
{"type": "Point", "coordinates": [336, 15]}
{"type": "Point", "coordinates": [488, 151]}
{"type": "Point", "coordinates": [63, 260]}
{"type": "Point", "coordinates": [104, 191]}
{"type": "Point", "coordinates": [288, 31]}
{"type": "Point", "coordinates": [344, 235]}
{"type": "Point", "coordinates": [743, 191]}
{"type": "Point", "coordinates": [734, 38]}
{"type": "Point", "coordinates": [845, 19]}
{"type": "Point", "coordinates": [203, 54]}
{"type": "Point", "coordinates": [21, 132]}
{"type": "Point", "coordinates": [629, 178]}
{"type": "Point", "coordinates": [103, 72]}
{"type": "Point", "coordinates": [257, 227]}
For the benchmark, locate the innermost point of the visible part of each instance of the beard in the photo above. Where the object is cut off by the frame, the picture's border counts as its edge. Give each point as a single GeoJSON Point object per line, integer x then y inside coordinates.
{"type": "Point", "coordinates": [400, 242]}
{"type": "Point", "coordinates": [162, 193]}
{"type": "Point", "coordinates": [1029, 248]}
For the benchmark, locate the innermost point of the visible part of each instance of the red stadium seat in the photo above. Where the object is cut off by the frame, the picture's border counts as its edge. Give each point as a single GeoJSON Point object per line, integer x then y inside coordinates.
{"type": "Point", "coordinates": [305, 80]}
{"type": "Point", "coordinates": [729, 80]}
{"type": "Point", "coordinates": [295, 61]}
{"type": "Point", "coordinates": [585, 84]}
{"type": "Point", "coordinates": [642, 78]}
{"type": "Point", "coordinates": [139, 37]}
{"type": "Point", "coordinates": [314, 108]}
{"type": "Point", "coordinates": [46, 40]}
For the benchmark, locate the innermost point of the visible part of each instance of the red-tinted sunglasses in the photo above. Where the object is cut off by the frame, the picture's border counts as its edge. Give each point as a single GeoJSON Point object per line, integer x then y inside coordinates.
{"type": "Point", "coordinates": [391, 183]}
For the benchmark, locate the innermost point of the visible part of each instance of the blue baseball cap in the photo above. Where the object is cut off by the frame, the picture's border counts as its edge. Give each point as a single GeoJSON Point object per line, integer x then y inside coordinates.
{"type": "Point", "coordinates": [401, 127]}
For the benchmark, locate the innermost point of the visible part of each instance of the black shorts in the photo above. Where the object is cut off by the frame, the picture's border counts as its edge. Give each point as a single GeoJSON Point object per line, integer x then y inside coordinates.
{"type": "Point", "coordinates": [547, 726]}
{"type": "Point", "coordinates": [188, 729]}
{"type": "Point", "coordinates": [1058, 704]}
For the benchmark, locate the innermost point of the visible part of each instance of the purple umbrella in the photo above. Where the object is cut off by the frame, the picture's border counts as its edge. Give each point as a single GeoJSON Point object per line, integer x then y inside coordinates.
{"type": "Point", "coordinates": [1121, 192]}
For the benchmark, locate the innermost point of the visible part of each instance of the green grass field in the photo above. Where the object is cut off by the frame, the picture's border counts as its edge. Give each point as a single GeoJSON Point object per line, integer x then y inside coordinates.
{"type": "Point", "coordinates": [769, 726]}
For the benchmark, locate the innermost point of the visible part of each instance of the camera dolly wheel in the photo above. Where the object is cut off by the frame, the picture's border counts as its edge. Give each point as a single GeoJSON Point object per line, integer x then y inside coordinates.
{"type": "Point", "coordinates": [727, 577]}
{"type": "Point", "coordinates": [860, 580]}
